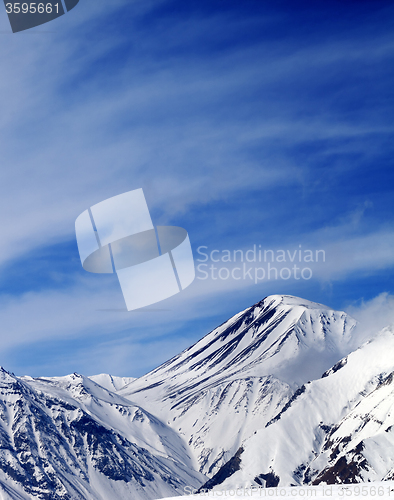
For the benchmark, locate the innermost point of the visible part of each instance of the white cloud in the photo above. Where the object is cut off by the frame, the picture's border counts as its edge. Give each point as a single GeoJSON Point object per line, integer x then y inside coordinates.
{"type": "Point", "coordinates": [373, 315]}
{"type": "Point", "coordinates": [69, 141]}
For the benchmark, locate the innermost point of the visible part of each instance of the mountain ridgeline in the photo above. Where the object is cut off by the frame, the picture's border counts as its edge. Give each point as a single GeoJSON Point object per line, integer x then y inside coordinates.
{"type": "Point", "coordinates": [275, 396]}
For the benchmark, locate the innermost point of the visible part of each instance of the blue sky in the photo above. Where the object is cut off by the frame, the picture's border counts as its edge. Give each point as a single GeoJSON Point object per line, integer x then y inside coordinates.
{"type": "Point", "coordinates": [247, 123]}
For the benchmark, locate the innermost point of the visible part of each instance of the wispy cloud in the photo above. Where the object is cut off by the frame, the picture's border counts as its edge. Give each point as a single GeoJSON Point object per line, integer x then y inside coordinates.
{"type": "Point", "coordinates": [187, 122]}
{"type": "Point", "coordinates": [373, 315]}
{"type": "Point", "coordinates": [236, 125]}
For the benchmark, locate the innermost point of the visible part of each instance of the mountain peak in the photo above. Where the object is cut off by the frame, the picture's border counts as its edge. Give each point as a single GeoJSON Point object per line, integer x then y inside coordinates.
{"type": "Point", "coordinates": [6, 376]}
{"type": "Point", "coordinates": [291, 300]}
{"type": "Point", "coordinates": [271, 337]}
{"type": "Point", "coordinates": [249, 367]}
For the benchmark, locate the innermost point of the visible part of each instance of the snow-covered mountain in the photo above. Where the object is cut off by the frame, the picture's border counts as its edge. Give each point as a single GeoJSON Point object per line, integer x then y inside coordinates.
{"type": "Point", "coordinates": [274, 396]}
{"type": "Point", "coordinates": [69, 438]}
{"type": "Point", "coordinates": [239, 376]}
{"type": "Point", "coordinates": [336, 429]}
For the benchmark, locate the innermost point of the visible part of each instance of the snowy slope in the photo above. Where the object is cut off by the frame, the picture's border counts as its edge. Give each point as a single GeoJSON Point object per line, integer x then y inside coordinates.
{"type": "Point", "coordinates": [111, 382]}
{"type": "Point", "coordinates": [360, 447]}
{"type": "Point", "coordinates": [239, 376]}
{"type": "Point", "coordinates": [69, 438]}
{"type": "Point", "coordinates": [339, 428]}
